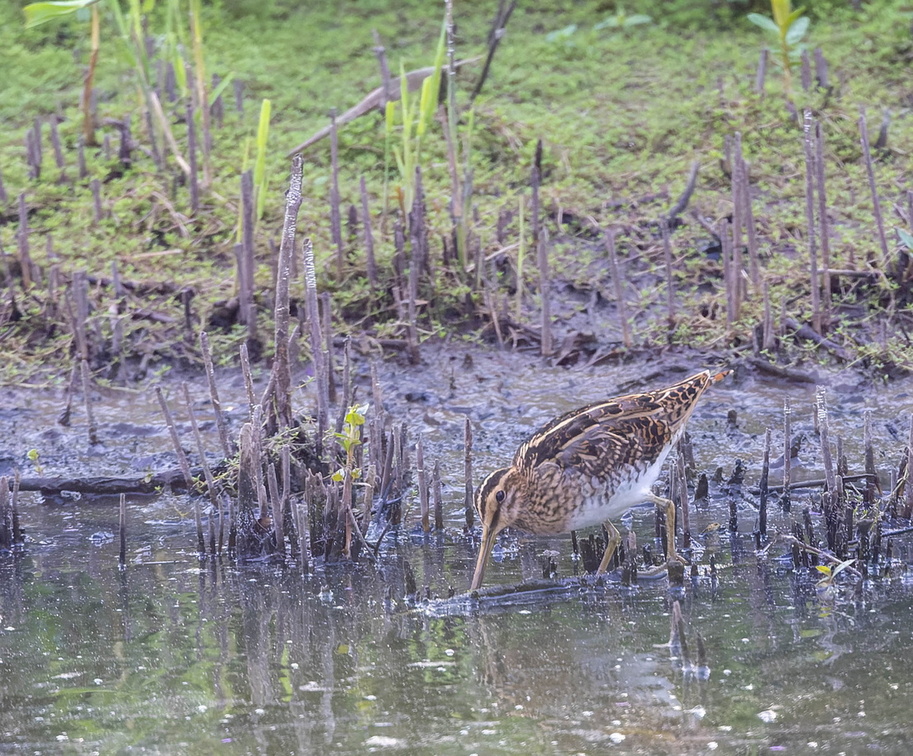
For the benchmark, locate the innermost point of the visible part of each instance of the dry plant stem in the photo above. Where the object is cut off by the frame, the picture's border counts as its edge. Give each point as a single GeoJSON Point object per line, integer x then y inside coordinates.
{"type": "Point", "coordinates": [738, 221]}
{"type": "Point", "coordinates": [317, 353]}
{"type": "Point", "coordinates": [58, 149]}
{"type": "Point", "coordinates": [175, 439]}
{"type": "Point", "coordinates": [868, 495]}
{"type": "Point", "coordinates": [369, 237]}
{"type": "Point", "coordinates": [767, 340]}
{"type": "Point", "coordinates": [541, 255]}
{"type": "Point", "coordinates": [908, 488]}
{"type": "Point", "coordinates": [328, 361]}
{"type": "Point", "coordinates": [830, 498]}
{"type": "Point", "coordinates": [438, 499]}
{"type": "Point", "coordinates": [728, 273]}
{"type": "Point", "coordinates": [163, 121]}
{"type": "Point", "coordinates": [806, 71]}
{"type": "Point", "coordinates": [830, 558]}
{"type": "Point", "coordinates": [25, 260]}
{"type": "Point", "coordinates": [248, 380]}
{"type": "Point", "coordinates": [876, 204]}
{"type": "Point", "coordinates": [281, 368]}
{"type": "Point", "coordinates": [449, 123]}
{"type": "Point", "coordinates": [618, 285]}
{"type": "Point", "coordinates": [467, 475]}
{"type": "Point", "coordinates": [787, 451]}
{"type": "Point", "coordinates": [498, 27]}
{"type": "Point", "coordinates": [764, 486]}
{"type": "Point", "coordinates": [679, 207]}
{"type": "Point", "coordinates": [754, 262]}
{"type": "Point", "coordinates": [6, 535]}
{"type": "Point", "coordinates": [88, 119]}
{"type": "Point", "coordinates": [192, 160]}
{"type": "Point", "coordinates": [761, 74]}
{"type": "Point", "coordinates": [822, 225]}
{"type": "Point", "coordinates": [422, 481]}
{"type": "Point", "coordinates": [381, 53]}
{"type": "Point", "coordinates": [670, 284]}
{"type": "Point", "coordinates": [95, 186]}
{"type": "Point", "coordinates": [335, 219]}
{"type": "Point", "coordinates": [122, 530]}
{"type": "Point", "coordinates": [87, 399]}
{"type": "Point", "coordinates": [278, 509]}
{"type": "Point", "coordinates": [246, 253]}
{"type": "Point", "coordinates": [207, 473]}
{"type": "Point", "coordinates": [221, 424]}
{"type": "Point", "coordinates": [810, 220]}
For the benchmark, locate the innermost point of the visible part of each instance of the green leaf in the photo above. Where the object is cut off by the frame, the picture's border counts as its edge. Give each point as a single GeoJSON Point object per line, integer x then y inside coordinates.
{"type": "Point", "coordinates": [906, 238]}
{"type": "Point", "coordinates": [764, 22]}
{"type": "Point", "coordinates": [560, 34]}
{"type": "Point", "coordinates": [797, 31]}
{"type": "Point", "coordinates": [41, 13]}
{"type": "Point", "coordinates": [611, 22]}
{"type": "Point", "coordinates": [338, 476]}
{"type": "Point", "coordinates": [214, 95]}
{"type": "Point", "coordinates": [638, 18]}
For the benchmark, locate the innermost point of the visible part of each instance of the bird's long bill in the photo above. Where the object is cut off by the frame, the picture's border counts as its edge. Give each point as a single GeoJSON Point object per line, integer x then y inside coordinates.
{"type": "Point", "coordinates": [488, 542]}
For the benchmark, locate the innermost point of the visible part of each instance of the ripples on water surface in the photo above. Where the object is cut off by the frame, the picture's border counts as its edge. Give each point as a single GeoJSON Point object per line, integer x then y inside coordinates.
{"type": "Point", "coordinates": [176, 657]}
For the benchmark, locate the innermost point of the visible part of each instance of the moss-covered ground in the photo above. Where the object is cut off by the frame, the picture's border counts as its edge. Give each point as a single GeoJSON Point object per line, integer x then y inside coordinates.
{"type": "Point", "coordinates": [622, 115]}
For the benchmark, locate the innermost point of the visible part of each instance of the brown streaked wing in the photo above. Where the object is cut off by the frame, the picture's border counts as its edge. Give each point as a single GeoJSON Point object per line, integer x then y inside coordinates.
{"type": "Point", "coordinates": [581, 432]}
{"type": "Point", "coordinates": [599, 450]}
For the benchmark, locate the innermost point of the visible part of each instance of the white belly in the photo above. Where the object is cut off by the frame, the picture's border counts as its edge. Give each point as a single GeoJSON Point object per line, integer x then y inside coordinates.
{"type": "Point", "coordinates": [608, 502]}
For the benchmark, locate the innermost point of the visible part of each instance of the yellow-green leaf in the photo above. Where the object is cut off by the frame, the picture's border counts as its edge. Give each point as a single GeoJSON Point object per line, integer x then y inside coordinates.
{"type": "Point", "coordinates": [41, 13]}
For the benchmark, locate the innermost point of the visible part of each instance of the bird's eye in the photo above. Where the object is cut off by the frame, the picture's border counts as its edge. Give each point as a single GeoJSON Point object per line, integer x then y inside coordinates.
{"type": "Point", "coordinates": [499, 497]}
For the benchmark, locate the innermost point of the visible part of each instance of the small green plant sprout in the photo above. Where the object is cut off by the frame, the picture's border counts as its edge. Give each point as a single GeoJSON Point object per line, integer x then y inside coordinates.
{"type": "Point", "coordinates": [790, 27]}
{"type": "Point", "coordinates": [349, 439]}
{"type": "Point", "coordinates": [562, 35]}
{"type": "Point", "coordinates": [906, 239]}
{"type": "Point", "coordinates": [35, 458]}
{"type": "Point", "coordinates": [830, 573]}
{"type": "Point", "coordinates": [261, 179]}
{"type": "Point", "coordinates": [417, 116]}
{"type": "Point", "coordinates": [622, 20]}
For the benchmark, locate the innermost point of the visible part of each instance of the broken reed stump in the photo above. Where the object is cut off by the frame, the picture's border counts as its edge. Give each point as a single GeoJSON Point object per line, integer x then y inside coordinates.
{"type": "Point", "coordinates": [810, 177]}
{"type": "Point", "coordinates": [618, 285]}
{"type": "Point", "coordinates": [122, 530]}
{"type": "Point", "coordinates": [873, 189]}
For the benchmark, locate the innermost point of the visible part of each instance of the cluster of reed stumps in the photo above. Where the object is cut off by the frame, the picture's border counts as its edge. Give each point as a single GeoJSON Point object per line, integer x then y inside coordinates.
{"type": "Point", "coordinates": [305, 489]}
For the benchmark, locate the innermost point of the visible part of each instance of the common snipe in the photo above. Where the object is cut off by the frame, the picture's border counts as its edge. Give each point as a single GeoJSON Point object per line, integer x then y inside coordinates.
{"type": "Point", "coordinates": [588, 466]}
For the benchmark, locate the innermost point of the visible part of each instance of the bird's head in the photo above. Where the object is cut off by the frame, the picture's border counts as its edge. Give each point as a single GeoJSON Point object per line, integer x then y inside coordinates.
{"type": "Point", "coordinates": [498, 502]}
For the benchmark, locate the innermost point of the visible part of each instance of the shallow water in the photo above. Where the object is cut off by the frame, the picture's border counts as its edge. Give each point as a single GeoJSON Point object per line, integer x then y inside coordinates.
{"type": "Point", "coordinates": [177, 656]}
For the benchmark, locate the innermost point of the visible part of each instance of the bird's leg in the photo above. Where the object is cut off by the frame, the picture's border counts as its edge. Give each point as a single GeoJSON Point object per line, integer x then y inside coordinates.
{"type": "Point", "coordinates": [611, 545]}
{"type": "Point", "coordinates": [669, 507]}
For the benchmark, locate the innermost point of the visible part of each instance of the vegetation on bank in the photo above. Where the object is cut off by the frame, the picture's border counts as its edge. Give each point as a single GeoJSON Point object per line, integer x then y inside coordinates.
{"type": "Point", "coordinates": [120, 267]}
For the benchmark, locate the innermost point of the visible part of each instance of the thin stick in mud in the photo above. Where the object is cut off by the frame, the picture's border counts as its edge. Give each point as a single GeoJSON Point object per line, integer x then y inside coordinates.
{"type": "Point", "coordinates": [183, 464]}
{"type": "Point", "coordinates": [207, 472]}
{"type": "Point", "coordinates": [810, 174]}
{"type": "Point", "coordinates": [371, 263]}
{"type": "Point", "coordinates": [468, 505]}
{"type": "Point", "coordinates": [281, 368]}
{"type": "Point", "coordinates": [787, 454]}
{"type": "Point", "coordinates": [221, 424]}
{"type": "Point", "coordinates": [618, 285]}
{"type": "Point", "coordinates": [122, 530]}
{"type": "Point", "coordinates": [764, 486]}
{"type": "Point", "coordinates": [873, 188]}
{"type": "Point", "coordinates": [335, 218]}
